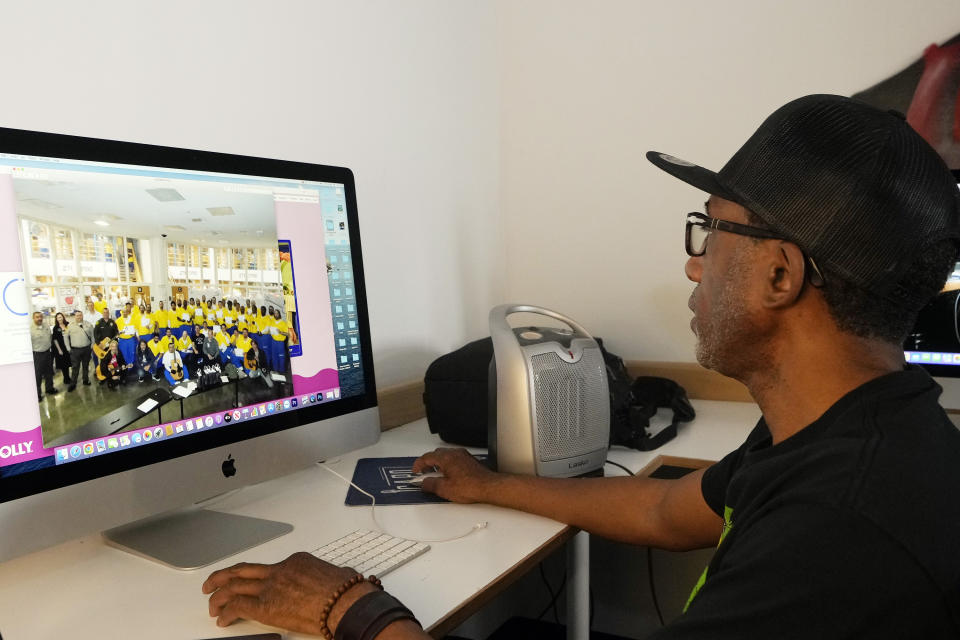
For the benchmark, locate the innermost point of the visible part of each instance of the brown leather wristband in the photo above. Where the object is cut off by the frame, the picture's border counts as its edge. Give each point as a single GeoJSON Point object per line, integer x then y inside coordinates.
{"type": "Point", "coordinates": [355, 579]}
{"type": "Point", "coordinates": [370, 615]}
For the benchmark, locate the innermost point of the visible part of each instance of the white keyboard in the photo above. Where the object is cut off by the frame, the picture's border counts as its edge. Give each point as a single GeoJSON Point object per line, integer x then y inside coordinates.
{"type": "Point", "coordinates": [370, 552]}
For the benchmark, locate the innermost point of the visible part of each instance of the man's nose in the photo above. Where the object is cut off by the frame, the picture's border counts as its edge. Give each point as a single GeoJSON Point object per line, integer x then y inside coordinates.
{"type": "Point", "coordinates": [694, 268]}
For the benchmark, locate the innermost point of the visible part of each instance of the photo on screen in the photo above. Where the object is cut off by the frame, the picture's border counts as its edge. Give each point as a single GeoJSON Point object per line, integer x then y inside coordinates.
{"type": "Point", "coordinates": [163, 299]}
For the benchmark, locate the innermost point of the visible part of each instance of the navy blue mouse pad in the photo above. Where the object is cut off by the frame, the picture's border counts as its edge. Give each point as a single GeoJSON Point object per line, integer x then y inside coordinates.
{"type": "Point", "coordinates": [388, 479]}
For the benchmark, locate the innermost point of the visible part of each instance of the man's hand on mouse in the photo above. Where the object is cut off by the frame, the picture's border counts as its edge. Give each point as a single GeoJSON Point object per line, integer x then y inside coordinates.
{"type": "Point", "coordinates": [464, 479]}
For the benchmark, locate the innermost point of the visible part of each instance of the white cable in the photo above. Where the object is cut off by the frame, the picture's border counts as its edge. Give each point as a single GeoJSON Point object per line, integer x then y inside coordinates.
{"type": "Point", "coordinates": [382, 529]}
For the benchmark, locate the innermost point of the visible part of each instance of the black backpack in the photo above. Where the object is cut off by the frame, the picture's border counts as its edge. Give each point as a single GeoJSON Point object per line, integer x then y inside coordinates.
{"type": "Point", "coordinates": [633, 401]}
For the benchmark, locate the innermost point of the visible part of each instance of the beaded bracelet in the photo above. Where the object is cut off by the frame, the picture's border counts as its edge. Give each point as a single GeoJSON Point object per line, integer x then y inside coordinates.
{"type": "Point", "coordinates": [353, 581]}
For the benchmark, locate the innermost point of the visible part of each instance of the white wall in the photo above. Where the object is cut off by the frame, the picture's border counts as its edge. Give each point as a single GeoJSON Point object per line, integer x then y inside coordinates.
{"type": "Point", "coordinates": [592, 228]}
{"type": "Point", "coordinates": [498, 146]}
{"type": "Point", "coordinates": [405, 94]}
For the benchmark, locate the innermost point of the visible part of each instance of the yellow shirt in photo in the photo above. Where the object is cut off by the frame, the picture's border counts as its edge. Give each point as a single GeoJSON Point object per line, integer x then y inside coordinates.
{"type": "Point", "coordinates": [223, 340]}
{"type": "Point", "coordinates": [282, 328]}
{"type": "Point", "coordinates": [145, 324]}
{"type": "Point", "coordinates": [126, 327]}
{"type": "Point", "coordinates": [243, 343]}
{"type": "Point", "coordinates": [157, 347]}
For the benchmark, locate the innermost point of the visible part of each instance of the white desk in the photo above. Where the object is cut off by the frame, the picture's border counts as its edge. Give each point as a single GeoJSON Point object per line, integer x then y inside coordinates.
{"type": "Point", "coordinates": [84, 589]}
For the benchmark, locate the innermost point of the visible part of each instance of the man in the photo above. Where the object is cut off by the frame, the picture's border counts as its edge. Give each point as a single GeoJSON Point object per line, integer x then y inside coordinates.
{"type": "Point", "coordinates": [188, 352]}
{"type": "Point", "coordinates": [223, 340]}
{"type": "Point", "coordinates": [824, 236]}
{"type": "Point", "coordinates": [244, 341]}
{"type": "Point", "coordinates": [128, 334]}
{"type": "Point", "coordinates": [161, 318]}
{"type": "Point", "coordinates": [42, 340]}
{"type": "Point", "coordinates": [210, 312]}
{"type": "Point", "coordinates": [173, 318]}
{"type": "Point", "coordinates": [158, 349]}
{"type": "Point", "coordinates": [173, 368]}
{"type": "Point", "coordinates": [210, 348]}
{"type": "Point", "coordinates": [99, 305]}
{"type": "Point", "coordinates": [105, 327]}
{"type": "Point", "coordinates": [279, 332]}
{"type": "Point", "coordinates": [115, 304]}
{"type": "Point", "coordinates": [186, 320]}
{"type": "Point", "coordinates": [79, 339]}
{"type": "Point", "coordinates": [91, 315]}
{"type": "Point", "coordinates": [230, 318]}
{"type": "Point", "coordinates": [145, 323]}
{"type": "Point", "coordinates": [134, 312]}
{"type": "Point", "coordinates": [195, 316]}
{"type": "Point", "coordinates": [263, 337]}
{"type": "Point", "coordinates": [255, 361]}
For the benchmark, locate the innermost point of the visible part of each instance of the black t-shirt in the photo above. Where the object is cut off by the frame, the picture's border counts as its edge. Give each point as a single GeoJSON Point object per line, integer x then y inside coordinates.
{"type": "Point", "coordinates": [104, 329]}
{"type": "Point", "coordinates": [848, 529]}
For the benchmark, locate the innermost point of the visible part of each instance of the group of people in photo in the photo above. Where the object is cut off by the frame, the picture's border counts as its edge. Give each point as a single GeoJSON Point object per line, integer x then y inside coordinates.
{"type": "Point", "coordinates": [175, 342]}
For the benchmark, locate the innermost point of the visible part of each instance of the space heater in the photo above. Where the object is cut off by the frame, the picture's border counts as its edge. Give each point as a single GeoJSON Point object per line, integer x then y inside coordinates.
{"type": "Point", "coordinates": [549, 412]}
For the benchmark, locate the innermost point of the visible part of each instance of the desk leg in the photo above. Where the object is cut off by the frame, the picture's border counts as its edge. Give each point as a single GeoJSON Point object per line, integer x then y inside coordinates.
{"type": "Point", "coordinates": [578, 587]}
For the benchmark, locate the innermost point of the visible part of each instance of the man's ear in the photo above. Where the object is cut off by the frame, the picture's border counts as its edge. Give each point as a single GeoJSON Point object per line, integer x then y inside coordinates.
{"type": "Point", "coordinates": [784, 275]}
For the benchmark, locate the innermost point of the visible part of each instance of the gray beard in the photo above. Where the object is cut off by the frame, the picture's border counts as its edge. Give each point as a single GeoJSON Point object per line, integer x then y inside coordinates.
{"type": "Point", "coordinates": [727, 341]}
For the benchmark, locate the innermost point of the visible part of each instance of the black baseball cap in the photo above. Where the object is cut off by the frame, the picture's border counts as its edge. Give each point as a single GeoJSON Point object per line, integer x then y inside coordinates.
{"type": "Point", "coordinates": [854, 186]}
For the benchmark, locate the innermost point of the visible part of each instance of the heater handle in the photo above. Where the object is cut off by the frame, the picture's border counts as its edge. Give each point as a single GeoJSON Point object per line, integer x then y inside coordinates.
{"type": "Point", "coordinates": [498, 317]}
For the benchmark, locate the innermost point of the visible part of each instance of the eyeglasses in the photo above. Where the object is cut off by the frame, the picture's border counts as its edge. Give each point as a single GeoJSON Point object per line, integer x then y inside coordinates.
{"type": "Point", "coordinates": [700, 226]}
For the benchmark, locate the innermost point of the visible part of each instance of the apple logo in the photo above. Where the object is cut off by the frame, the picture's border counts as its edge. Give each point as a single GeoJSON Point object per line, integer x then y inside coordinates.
{"type": "Point", "coordinates": [229, 467]}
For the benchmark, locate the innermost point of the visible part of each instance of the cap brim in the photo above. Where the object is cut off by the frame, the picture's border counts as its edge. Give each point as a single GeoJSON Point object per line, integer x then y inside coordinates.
{"type": "Point", "coordinates": [692, 174]}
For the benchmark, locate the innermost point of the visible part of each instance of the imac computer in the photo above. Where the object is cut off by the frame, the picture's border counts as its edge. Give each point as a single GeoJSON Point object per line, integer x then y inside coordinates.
{"type": "Point", "coordinates": [934, 342]}
{"type": "Point", "coordinates": [176, 324]}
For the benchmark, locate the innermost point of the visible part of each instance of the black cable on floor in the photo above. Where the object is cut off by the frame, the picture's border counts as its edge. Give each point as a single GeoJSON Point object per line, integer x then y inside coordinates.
{"type": "Point", "coordinates": [553, 596]}
{"type": "Point", "coordinates": [653, 588]}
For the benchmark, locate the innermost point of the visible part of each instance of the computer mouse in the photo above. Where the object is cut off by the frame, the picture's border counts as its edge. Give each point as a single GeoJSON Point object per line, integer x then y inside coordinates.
{"type": "Point", "coordinates": [418, 479]}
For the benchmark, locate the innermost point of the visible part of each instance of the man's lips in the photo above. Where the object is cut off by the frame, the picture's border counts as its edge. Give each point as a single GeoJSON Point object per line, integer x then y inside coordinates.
{"type": "Point", "coordinates": [690, 305]}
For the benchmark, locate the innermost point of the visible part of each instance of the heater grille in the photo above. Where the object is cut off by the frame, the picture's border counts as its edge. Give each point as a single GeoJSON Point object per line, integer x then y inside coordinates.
{"type": "Point", "coordinates": [572, 405]}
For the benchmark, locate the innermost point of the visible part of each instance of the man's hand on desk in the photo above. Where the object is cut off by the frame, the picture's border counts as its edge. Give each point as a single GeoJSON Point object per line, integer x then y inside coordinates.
{"type": "Point", "coordinates": [463, 477]}
{"type": "Point", "coordinates": [290, 595]}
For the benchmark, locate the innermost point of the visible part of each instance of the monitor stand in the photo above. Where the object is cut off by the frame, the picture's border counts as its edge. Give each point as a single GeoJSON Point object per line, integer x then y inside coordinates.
{"type": "Point", "coordinates": [192, 538]}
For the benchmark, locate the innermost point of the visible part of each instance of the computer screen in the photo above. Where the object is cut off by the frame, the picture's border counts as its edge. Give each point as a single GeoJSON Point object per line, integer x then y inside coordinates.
{"type": "Point", "coordinates": [934, 342]}
{"type": "Point", "coordinates": [160, 303]}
